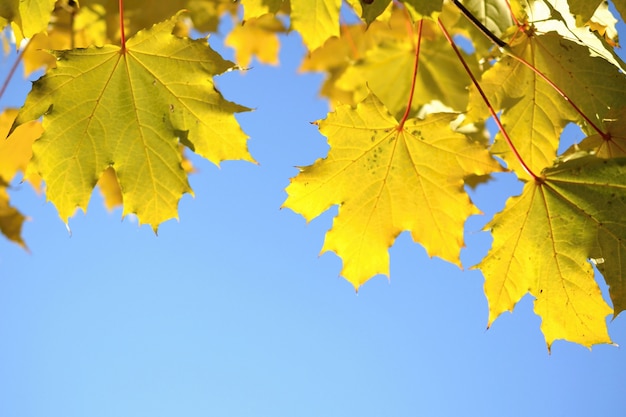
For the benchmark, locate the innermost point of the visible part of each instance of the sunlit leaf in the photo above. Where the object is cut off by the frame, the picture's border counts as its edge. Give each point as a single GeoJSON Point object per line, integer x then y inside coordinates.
{"type": "Point", "coordinates": [30, 16]}
{"type": "Point", "coordinates": [104, 107]}
{"type": "Point", "coordinates": [388, 179]}
{"type": "Point", "coordinates": [534, 113]}
{"type": "Point", "coordinates": [544, 241]}
{"type": "Point", "coordinates": [256, 37]}
{"type": "Point", "coordinates": [316, 20]}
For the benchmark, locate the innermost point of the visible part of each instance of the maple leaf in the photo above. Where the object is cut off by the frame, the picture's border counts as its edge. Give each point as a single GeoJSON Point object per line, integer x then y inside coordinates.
{"type": "Point", "coordinates": [257, 8]}
{"type": "Point", "coordinates": [316, 20]}
{"type": "Point", "coordinates": [542, 243]}
{"type": "Point", "coordinates": [441, 76]}
{"type": "Point", "coordinates": [15, 152]}
{"type": "Point", "coordinates": [256, 36]}
{"type": "Point", "coordinates": [30, 16]}
{"type": "Point", "coordinates": [423, 8]}
{"type": "Point", "coordinates": [533, 112]}
{"type": "Point", "coordinates": [388, 179]}
{"type": "Point", "coordinates": [584, 9]}
{"type": "Point", "coordinates": [110, 187]}
{"type": "Point", "coordinates": [611, 146]}
{"type": "Point", "coordinates": [128, 109]}
{"type": "Point", "coordinates": [554, 16]}
{"type": "Point", "coordinates": [370, 11]}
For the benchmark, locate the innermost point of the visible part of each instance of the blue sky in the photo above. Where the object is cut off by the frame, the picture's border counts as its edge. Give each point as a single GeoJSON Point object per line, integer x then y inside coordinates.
{"type": "Point", "coordinates": [230, 311]}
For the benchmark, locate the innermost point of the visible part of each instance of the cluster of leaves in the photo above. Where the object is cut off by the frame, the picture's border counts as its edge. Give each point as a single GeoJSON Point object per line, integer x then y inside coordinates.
{"type": "Point", "coordinates": [126, 92]}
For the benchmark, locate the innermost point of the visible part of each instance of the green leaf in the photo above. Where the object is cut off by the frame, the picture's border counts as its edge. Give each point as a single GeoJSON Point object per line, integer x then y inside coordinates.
{"type": "Point", "coordinates": [128, 109]}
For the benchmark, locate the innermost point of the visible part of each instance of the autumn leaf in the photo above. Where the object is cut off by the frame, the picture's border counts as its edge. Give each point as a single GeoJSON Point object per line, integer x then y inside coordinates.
{"type": "Point", "coordinates": [610, 145]}
{"type": "Point", "coordinates": [423, 8]}
{"type": "Point", "coordinates": [584, 9]}
{"type": "Point", "coordinates": [316, 20]}
{"type": "Point", "coordinates": [533, 112]}
{"type": "Point", "coordinates": [544, 240]}
{"type": "Point", "coordinates": [15, 152]}
{"type": "Point", "coordinates": [256, 37]}
{"type": "Point", "coordinates": [370, 10]}
{"type": "Point", "coordinates": [441, 77]}
{"type": "Point", "coordinates": [257, 8]}
{"type": "Point", "coordinates": [554, 16]}
{"type": "Point", "coordinates": [129, 109]}
{"type": "Point", "coordinates": [388, 179]}
{"type": "Point", "coordinates": [30, 16]}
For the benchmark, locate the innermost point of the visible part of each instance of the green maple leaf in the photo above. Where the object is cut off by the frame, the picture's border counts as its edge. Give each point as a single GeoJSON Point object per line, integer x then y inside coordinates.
{"type": "Point", "coordinates": [544, 239]}
{"type": "Point", "coordinates": [388, 179]}
{"type": "Point", "coordinates": [128, 109]}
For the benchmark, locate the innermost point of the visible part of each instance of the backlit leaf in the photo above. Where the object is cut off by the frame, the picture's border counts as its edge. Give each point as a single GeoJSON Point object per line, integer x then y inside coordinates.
{"type": "Point", "coordinates": [316, 20]}
{"type": "Point", "coordinates": [256, 37]}
{"type": "Point", "coordinates": [441, 77]}
{"type": "Point", "coordinates": [15, 152]}
{"type": "Point", "coordinates": [256, 8]}
{"type": "Point", "coordinates": [30, 16]}
{"type": "Point", "coordinates": [534, 113]}
{"type": "Point", "coordinates": [104, 107]}
{"type": "Point", "coordinates": [388, 179]}
{"type": "Point", "coordinates": [544, 240]}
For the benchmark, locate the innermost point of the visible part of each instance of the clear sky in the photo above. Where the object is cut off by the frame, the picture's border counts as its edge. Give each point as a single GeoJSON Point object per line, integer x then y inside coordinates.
{"type": "Point", "coordinates": [230, 311]}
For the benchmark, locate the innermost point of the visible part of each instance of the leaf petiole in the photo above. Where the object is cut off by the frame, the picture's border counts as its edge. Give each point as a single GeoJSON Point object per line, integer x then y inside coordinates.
{"type": "Point", "coordinates": [415, 68]}
{"type": "Point", "coordinates": [488, 103]}
{"type": "Point", "coordinates": [122, 33]}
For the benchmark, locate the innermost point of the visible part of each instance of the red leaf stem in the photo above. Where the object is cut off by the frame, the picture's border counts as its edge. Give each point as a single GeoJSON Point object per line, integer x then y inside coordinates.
{"type": "Point", "coordinates": [122, 33]}
{"type": "Point", "coordinates": [605, 136]}
{"type": "Point", "coordinates": [415, 68]}
{"type": "Point", "coordinates": [489, 106]}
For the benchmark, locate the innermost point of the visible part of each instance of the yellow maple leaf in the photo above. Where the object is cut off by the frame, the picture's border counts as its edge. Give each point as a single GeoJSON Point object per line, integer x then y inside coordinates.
{"type": "Point", "coordinates": [315, 20]}
{"type": "Point", "coordinates": [129, 110]}
{"type": "Point", "coordinates": [110, 187]}
{"type": "Point", "coordinates": [256, 36]}
{"type": "Point", "coordinates": [544, 239]}
{"type": "Point", "coordinates": [15, 152]}
{"type": "Point", "coordinates": [257, 8]}
{"type": "Point", "coordinates": [533, 112]}
{"type": "Point", "coordinates": [388, 179]}
{"type": "Point", "coordinates": [28, 16]}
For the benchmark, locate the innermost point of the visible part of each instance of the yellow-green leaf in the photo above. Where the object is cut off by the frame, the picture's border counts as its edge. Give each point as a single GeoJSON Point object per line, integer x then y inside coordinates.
{"type": "Point", "coordinates": [441, 76]}
{"type": "Point", "coordinates": [15, 152]}
{"type": "Point", "coordinates": [388, 179]}
{"type": "Point", "coordinates": [256, 8]}
{"type": "Point", "coordinates": [544, 240]}
{"type": "Point", "coordinates": [11, 219]}
{"type": "Point", "coordinates": [30, 16]}
{"type": "Point", "coordinates": [423, 8]}
{"type": "Point", "coordinates": [315, 20]}
{"type": "Point", "coordinates": [128, 109]}
{"type": "Point", "coordinates": [256, 37]}
{"type": "Point", "coordinates": [533, 112]}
